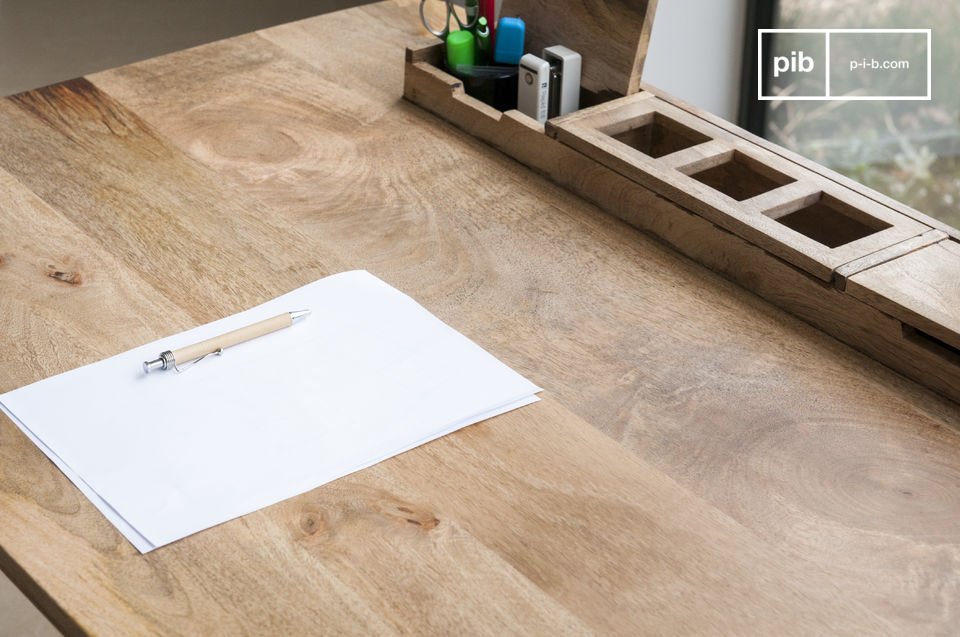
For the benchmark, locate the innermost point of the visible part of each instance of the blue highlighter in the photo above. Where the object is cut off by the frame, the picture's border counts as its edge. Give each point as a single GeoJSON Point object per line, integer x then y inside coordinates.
{"type": "Point", "coordinates": [509, 42]}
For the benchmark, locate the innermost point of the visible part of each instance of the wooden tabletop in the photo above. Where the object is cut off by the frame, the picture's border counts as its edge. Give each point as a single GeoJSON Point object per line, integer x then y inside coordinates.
{"type": "Point", "coordinates": [701, 462]}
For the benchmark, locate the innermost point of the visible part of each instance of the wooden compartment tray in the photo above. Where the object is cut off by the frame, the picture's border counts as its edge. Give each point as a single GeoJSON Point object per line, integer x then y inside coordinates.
{"type": "Point", "coordinates": [880, 277]}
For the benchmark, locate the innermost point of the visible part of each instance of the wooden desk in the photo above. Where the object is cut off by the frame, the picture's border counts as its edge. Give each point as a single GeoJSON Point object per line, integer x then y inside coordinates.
{"type": "Point", "coordinates": [701, 462]}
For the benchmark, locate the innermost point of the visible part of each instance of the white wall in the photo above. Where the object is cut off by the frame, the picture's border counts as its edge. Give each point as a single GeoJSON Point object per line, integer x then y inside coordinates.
{"type": "Point", "coordinates": [695, 52]}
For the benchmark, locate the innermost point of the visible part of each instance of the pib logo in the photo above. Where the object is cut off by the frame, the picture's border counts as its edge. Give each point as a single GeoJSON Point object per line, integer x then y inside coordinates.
{"type": "Point", "coordinates": [792, 64]}
{"type": "Point", "coordinates": [848, 64]}
{"type": "Point", "coordinates": [796, 62]}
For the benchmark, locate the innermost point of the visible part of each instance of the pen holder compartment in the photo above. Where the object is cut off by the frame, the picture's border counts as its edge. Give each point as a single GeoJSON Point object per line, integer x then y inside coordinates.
{"type": "Point", "coordinates": [829, 221]}
{"type": "Point", "coordinates": [655, 135]}
{"type": "Point", "coordinates": [612, 44]}
{"type": "Point", "coordinates": [793, 212]}
{"type": "Point", "coordinates": [740, 177]}
{"type": "Point", "coordinates": [426, 79]}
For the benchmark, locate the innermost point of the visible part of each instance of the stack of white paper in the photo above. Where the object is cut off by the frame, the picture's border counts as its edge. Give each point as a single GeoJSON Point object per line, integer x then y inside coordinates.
{"type": "Point", "coordinates": [369, 374]}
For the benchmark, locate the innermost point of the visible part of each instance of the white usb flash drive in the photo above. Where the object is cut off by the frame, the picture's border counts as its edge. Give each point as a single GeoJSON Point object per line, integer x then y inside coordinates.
{"type": "Point", "coordinates": [533, 87]}
{"type": "Point", "coordinates": [564, 79]}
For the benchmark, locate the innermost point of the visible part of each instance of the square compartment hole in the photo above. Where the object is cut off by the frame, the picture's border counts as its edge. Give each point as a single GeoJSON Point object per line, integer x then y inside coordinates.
{"type": "Point", "coordinates": [742, 177]}
{"type": "Point", "coordinates": [658, 136]}
{"type": "Point", "coordinates": [832, 222]}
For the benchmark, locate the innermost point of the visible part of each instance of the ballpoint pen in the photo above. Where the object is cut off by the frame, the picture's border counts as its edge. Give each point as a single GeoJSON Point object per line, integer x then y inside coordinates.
{"type": "Point", "coordinates": [482, 34]}
{"type": "Point", "coordinates": [488, 9]}
{"type": "Point", "coordinates": [217, 344]}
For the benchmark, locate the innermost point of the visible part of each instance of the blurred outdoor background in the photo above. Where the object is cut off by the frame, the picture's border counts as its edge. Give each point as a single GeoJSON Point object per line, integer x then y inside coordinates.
{"type": "Point", "coordinates": [909, 150]}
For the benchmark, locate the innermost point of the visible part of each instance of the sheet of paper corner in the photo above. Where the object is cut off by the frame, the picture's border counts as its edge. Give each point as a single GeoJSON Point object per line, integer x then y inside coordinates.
{"type": "Point", "coordinates": [49, 437]}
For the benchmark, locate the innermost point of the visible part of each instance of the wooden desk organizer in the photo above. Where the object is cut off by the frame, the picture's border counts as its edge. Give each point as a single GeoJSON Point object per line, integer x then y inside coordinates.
{"type": "Point", "coordinates": [873, 273]}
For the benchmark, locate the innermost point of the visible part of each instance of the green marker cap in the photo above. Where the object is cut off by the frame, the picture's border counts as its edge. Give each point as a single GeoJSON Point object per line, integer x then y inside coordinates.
{"type": "Point", "coordinates": [460, 49]}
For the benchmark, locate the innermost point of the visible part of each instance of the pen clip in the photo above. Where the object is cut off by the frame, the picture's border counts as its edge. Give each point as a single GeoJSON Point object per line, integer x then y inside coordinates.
{"type": "Point", "coordinates": [190, 364]}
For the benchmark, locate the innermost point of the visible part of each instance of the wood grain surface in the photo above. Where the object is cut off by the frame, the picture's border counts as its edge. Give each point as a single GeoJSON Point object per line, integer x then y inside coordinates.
{"type": "Point", "coordinates": [701, 463]}
{"type": "Point", "coordinates": [930, 301]}
{"type": "Point", "coordinates": [897, 250]}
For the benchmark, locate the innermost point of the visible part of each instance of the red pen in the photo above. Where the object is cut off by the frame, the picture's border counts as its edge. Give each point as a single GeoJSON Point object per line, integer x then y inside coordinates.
{"type": "Point", "coordinates": [488, 9]}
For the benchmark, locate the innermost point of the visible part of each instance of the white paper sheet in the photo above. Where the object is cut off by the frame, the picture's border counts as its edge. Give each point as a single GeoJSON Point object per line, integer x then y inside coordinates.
{"type": "Point", "coordinates": [369, 374]}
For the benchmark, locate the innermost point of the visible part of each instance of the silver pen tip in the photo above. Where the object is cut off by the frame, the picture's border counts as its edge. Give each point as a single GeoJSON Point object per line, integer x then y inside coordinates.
{"type": "Point", "coordinates": [298, 314]}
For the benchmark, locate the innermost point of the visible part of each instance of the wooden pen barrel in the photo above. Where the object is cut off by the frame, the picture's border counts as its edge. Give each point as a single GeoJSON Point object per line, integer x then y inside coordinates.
{"type": "Point", "coordinates": [223, 341]}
